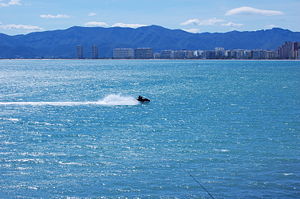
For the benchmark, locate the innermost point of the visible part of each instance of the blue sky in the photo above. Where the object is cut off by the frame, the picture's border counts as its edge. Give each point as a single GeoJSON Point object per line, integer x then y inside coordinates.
{"type": "Point", "coordinates": [24, 16]}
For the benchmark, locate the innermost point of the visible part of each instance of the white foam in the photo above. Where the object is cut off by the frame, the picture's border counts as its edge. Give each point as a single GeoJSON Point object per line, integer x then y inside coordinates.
{"type": "Point", "coordinates": [109, 100]}
{"type": "Point", "coordinates": [112, 100]}
{"type": "Point", "coordinates": [70, 163]}
{"type": "Point", "coordinates": [33, 187]}
{"type": "Point", "coordinates": [288, 174]}
{"type": "Point", "coordinates": [222, 150]}
{"type": "Point", "coordinates": [10, 119]}
{"type": "Point", "coordinates": [13, 119]}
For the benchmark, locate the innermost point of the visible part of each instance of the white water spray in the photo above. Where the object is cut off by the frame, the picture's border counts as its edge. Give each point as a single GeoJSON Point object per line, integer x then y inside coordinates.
{"type": "Point", "coordinates": [109, 100]}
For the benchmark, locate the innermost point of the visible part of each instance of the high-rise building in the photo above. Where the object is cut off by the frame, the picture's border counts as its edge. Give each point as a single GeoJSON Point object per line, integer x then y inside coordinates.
{"type": "Point", "coordinates": [228, 54]}
{"type": "Point", "coordinates": [199, 54]}
{"type": "Point", "coordinates": [240, 54]}
{"type": "Point", "coordinates": [298, 54]}
{"type": "Point", "coordinates": [184, 54]}
{"type": "Point", "coordinates": [156, 55]}
{"type": "Point", "coordinates": [143, 53]}
{"type": "Point", "coordinates": [95, 52]}
{"type": "Point", "coordinates": [190, 54]}
{"type": "Point", "coordinates": [289, 50]}
{"type": "Point", "coordinates": [123, 53]}
{"type": "Point", "coordinates": [247, 54]}
{"type": "Point", "coordinates": [259, 54]}
{"type": "Point", "coordinates": [167, 54]}
{"type": "Point", "coordinates": [179, 54]}
{"type": "Point", "coordinates": [79, 52]}
{"type": "Point", "coordinates": [297, 50]}
{"type": "Point", "coordinates": [209, 54]}
{"type": "Point", "coordinates": [220, 53]}
{"type": "Point", "coordinates": [271, 55]}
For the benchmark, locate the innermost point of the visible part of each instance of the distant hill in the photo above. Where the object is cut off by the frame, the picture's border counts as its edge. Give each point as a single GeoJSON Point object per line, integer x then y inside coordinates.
{"type": "Point", "coordinates": [62, 43]}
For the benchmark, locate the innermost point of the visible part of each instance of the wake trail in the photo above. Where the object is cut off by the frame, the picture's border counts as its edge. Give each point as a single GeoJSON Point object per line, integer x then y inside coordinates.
{"type": "Point", "coordinates": [109, 100]}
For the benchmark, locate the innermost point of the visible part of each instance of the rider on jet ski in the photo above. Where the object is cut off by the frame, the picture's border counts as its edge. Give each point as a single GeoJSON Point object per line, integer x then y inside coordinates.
{"type": "Point", "coordinates": [142, 99]}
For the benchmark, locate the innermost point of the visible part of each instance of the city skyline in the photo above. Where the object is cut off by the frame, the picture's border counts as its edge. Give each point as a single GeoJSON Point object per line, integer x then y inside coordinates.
{"type": "Point", "coordinates": [189, 15]}
{"type": "Point", "coordinates": [288, 50]}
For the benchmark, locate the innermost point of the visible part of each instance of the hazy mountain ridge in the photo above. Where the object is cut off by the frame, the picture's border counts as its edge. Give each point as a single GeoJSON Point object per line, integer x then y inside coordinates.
{"type": "Point", "coordinates": [62, 43]}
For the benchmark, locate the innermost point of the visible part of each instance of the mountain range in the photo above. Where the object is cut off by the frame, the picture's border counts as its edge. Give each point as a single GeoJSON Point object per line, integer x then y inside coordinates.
{"type": "Point", "coordinates": [62, 43]}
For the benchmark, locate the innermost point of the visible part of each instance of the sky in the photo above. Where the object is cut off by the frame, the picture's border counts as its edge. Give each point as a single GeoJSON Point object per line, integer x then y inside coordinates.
{"type": "Point", "coordinates": [25, 16]}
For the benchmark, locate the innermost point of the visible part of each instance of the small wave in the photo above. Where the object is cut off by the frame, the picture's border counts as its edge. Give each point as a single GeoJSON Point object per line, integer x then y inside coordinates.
{"type": "Point", "coordinates": [33, 187]}
{"type": "Point", "coordinates": [10, 119]}
{"type": "Point", "coordinates": [222, 150]}
{"type": "Point", "coordinates": [26, 160]}
{"type": "Point", "coordinates": [288, 174]}
{"type": "Point", "coordinates": [109, 100]}
{"type": "Point", "coordinates": [8, 143]}
{"type": "Point", "coordinates": [71, 163]}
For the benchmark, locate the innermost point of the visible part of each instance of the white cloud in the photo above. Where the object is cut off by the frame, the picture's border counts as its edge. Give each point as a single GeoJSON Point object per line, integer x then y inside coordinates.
{"type": "Point", "coordinates": [96, 24]}
{"type": "Point", "coordinates": [91, 14]}
{"type": "Point", "coordinates": [14, 2]}
{"type": "Point", "coordinates": [10, 3]}
{"type": "Point", "coordinates": [231, 24]}
{"type": "Point", "coordinates": [271, 26]}
{"type": "Point", "coordinates": [190, 21]}
{"type": "Point", "coordinates": [103, 24]}
{"type": "Point", "coordinates": [19, 26]}
{"type": "Point", "coordinates": [192, 30]}
{"type": "Point", "coordinates": [58, 16]}
{"type": "Point", "coordinates": [205, 22]}
{"type": "Point", "coordinates": [124, 25]}
{"type": "Point", "coordinates": [250, 10]}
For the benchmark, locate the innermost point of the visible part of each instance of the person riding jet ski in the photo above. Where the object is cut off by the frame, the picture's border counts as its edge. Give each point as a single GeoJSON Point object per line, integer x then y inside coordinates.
{"type": "Point", "coordinates": [142, 99]}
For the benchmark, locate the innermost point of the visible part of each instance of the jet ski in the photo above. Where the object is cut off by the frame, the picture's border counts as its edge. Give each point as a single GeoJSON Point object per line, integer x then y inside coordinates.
{"type": "Point", "coordinates": [142, 99]}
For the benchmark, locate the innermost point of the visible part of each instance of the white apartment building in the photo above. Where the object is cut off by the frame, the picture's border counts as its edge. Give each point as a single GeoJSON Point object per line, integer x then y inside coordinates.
{"type": "Point", "coordinates": [123, 53]}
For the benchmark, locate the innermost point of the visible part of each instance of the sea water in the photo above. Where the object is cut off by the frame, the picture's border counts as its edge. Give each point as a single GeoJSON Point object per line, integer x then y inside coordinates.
{"type": "Point", "coordinates": [73, 129]}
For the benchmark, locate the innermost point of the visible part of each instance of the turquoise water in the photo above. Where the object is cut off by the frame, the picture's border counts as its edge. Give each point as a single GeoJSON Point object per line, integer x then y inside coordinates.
{"type": "Point", "coordinates": [72, 129]}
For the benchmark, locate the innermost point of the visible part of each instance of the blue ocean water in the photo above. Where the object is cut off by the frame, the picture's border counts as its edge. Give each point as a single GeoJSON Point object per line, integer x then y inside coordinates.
{"type": "Point", "coordinates": [72, 129]}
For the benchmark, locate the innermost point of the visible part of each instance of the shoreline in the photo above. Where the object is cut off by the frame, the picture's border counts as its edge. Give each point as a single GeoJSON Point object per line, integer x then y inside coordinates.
{"type": "Point", "coordinates": [155, 59]}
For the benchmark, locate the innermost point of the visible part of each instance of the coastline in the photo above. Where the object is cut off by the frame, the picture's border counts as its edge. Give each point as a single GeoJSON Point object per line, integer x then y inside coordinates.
{"type": "Point", "coordinates": [156, 59]}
